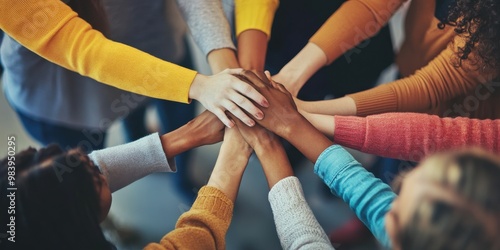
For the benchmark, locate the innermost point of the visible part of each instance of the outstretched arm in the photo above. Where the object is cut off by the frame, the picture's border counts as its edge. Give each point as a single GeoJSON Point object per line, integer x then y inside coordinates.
{"type": "Point", "coordinates": [67, 40]}
{"type": "Point", "coordinates": [254, 20]}
{"type": "Point", "coordinates": [295, 222]}
{"type": "Point", "coordinates": [408, 136]}
{"type": "Point", "coordinates": [353, 22]}
{"type": "Point", "coordinates": [124, 164]}
{"type": "Point", "coordinates": [205, 225]}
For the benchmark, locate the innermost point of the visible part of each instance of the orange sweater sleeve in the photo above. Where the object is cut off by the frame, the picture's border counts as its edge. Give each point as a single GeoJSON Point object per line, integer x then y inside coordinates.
{"type": "Point", "coordinates": [427, 89]}
{"type": "Point", "coordinates": [353, 22]}
{"type": "Point", "coordinates": [204, 226]}
{"type": "Point", "coordinates": [52, 30]}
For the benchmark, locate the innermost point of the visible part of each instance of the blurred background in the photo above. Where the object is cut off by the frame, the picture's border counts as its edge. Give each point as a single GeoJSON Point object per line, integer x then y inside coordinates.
{"type": "Point", "coordinates": [146, 210]}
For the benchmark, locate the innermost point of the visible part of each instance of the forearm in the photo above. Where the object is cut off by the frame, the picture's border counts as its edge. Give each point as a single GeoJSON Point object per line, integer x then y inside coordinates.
{"type": "Point", "coordinates": [204, 226]}
{"type": "Point", "coordinates": [70, 42]}
{"type": "Point", "coordinates": [228, 171]}
{"type": "Point", "coordinates": [252, 48]}
{"type": "Point", "coordinates": [306, 138]}
{"type": "Point", "coordinates": [222, 59]}
{"type": "Point", "coordinates": [304, 65]}
{"type": "Point", "coordinates": [255, 14]}
{"type": "Point", "coordinates": [274, 161]}
{"type": "Point", "coordinates": [177, 142]}
{"type": "Point", "coordinates": [295, 222]}
{"type": "Point", "coordinates": [324, 123]}
{"type": "Point", "coordinates": [353, 22]}
{"type": "Point", "coordinates": [429, 88]}
{"type": "Point", "coordinates": [340, 106]}
{"type": "Point", "coordinates": [367, 196]}
{"type": "Point", "coordinates": [124, 164]}
{"type": "Point", "coordinates": [420, 136]}
{"type": "Point", "coordinates": [208, 25]}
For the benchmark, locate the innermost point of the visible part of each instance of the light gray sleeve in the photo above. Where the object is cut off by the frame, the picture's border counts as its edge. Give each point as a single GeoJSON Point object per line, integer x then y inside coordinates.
{"type": "Point", "coordinates": [295, 222]}
{"type": "Point", "coordinates": [207, 23]}
{"type": "Point", "coordinates": [129, 162]}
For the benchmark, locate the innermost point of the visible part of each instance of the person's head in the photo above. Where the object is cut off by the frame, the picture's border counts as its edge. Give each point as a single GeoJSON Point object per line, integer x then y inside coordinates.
{"type": "Point", "coordinates": [450, 201]}
{"type": "Point", "coordinates": [478, 22]}
{"type": "Point", "coordinates": [61, 199]}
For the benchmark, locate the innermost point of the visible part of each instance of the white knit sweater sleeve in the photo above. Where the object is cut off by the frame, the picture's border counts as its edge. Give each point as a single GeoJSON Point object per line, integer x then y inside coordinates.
{"type": "Point", "coordinates": [129, 162]}
{"type": "Point", "coordinates": [295, 222]}
{"type": "Point", "coordinates": [208, 24]}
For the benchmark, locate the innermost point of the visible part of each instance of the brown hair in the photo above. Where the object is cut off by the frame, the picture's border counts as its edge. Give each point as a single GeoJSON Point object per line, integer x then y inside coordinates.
{"type": "Point", "coordinates": [464, 210]}
{"type": "Point", "coordinates": [91, 11]}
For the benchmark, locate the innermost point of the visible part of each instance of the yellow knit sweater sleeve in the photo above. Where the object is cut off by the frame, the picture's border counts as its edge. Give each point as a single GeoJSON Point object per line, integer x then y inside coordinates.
{"type": "Point", "coordinates": [429, 88]}
{"type": "Point", "coordinates": [204, 226]}
{"type": "Point", "coordinates": [52, 30]}
{"type": "Point", "coordinates": [255, 14]}
{"type": "Point", "coordinates": [353, 22]}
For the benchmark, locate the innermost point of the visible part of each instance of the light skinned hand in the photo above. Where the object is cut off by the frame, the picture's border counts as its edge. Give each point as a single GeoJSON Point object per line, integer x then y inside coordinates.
{"type": "Point", "coordinates": [291, 86]}
{"type": "Point", "coordinates": [224, 91]}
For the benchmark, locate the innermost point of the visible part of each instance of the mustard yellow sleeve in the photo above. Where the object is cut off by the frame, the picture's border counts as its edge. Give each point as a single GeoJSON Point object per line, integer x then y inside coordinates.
{"type": "Point", "coordinates": [429, 88]}
{"type": "Point", "coordinates": [353, 22]}
{"type": "Point", "coordinates": [255, 14]}
{"type": "Point", "coordinates": [204, 226]}
{"type": "Point", "coordinates": [52, 30]}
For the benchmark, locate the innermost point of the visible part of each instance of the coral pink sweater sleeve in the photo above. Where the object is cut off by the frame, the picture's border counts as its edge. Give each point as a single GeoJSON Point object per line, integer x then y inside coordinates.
{"type": "Point", "coordinates": [411, 136]}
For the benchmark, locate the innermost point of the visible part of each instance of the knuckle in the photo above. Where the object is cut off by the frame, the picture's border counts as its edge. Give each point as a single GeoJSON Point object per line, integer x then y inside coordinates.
{"type": "Point", "coordinates": [232, 107]}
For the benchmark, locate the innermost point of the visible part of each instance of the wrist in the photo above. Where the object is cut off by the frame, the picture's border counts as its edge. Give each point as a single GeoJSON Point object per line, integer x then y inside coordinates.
{"type": "Point", "coordinates": [297, 72]}
{"type": "Point", "coordinates": [294, 122]}
{"type": "Point", "coordinates": [252, 48]}
{"type": "Point", "coordinates": [222, 59]}
{"type": "Point", "coordinates": [196, 86]}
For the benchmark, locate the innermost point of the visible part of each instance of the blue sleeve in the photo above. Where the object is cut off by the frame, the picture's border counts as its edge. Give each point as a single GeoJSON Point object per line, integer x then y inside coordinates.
{"type": "Point", "coordinates": [366, 195]}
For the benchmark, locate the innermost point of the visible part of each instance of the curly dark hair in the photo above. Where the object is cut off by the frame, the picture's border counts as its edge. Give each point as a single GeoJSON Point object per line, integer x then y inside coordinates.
{"type": "Point", "coordinates": [478, 22]}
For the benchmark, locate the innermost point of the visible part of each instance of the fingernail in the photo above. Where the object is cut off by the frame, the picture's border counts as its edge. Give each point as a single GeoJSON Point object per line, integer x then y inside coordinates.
{"type": "Point", "coordinates": [230, 125]}
{"type": "Point", "coordinates": [265, 104]}
{"type": "Point", "coordinates": [251, 123]}
{"type": "Point", "coordinates": [259, 116]}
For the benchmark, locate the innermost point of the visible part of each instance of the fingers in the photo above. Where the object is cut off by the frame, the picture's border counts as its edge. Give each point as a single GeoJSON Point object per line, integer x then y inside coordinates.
{"type": "Point", "coordinates": [237, 121]}
{"type": "Point", "coordinates": [268, 75]}
{"type": "Point", "coordinates": [236, 71]}
{"type": "Point", "coordinates": [282, 88]}
{"type": "Point", "coordinates": [236, 111]}
{"type": "Point", "coordinates": [254, 79]}
{"type": "Point", "coordinates": [249, 91]}
{"type": "Point", "coordinates": [223, 118]}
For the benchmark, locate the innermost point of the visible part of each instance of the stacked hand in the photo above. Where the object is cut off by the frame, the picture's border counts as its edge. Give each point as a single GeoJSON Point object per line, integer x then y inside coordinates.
{"type": "Point", "coordinates": [282, 110]}
{"type": "Point", "coordinates": [224, 91]}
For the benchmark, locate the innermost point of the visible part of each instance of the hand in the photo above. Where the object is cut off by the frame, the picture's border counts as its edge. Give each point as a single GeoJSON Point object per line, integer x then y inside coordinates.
{"type": "Point", "coordinates": [269, 149]}
{"type": "Point", "coordinates": [224, 91]}
{"type": "Point", "coordinates": [206, 128]}
{"type": "Point", "coordinates": [281, 111]}
{"type": "Point", "coordinates": [255, 136]}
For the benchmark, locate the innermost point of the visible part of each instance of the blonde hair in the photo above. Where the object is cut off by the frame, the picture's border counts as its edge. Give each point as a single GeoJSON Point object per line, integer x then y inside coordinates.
{"type": "Point", "coordinates": [463, 210]}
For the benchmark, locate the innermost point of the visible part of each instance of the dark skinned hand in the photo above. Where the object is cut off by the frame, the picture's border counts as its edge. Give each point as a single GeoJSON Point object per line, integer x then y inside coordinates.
{"type": "Point", "coordinates": [282, 109]}
{"type": "Point", "coordinates": [207, 128]}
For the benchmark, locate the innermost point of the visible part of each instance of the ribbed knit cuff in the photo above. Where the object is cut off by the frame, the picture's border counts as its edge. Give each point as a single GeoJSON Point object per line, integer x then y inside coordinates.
{"type": "Point", "coordinates": [350, 131]}
{"type": "Point", "coordinates": [254, 14]}
{"type": "Point", "coordinates": [378, 100]}
{"type": "Point", "coordinates": [215, 202]}
{"type": "Point", "coordinates": [132, 161]}
{"type": "Point", "coordinates": [286, 192]}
